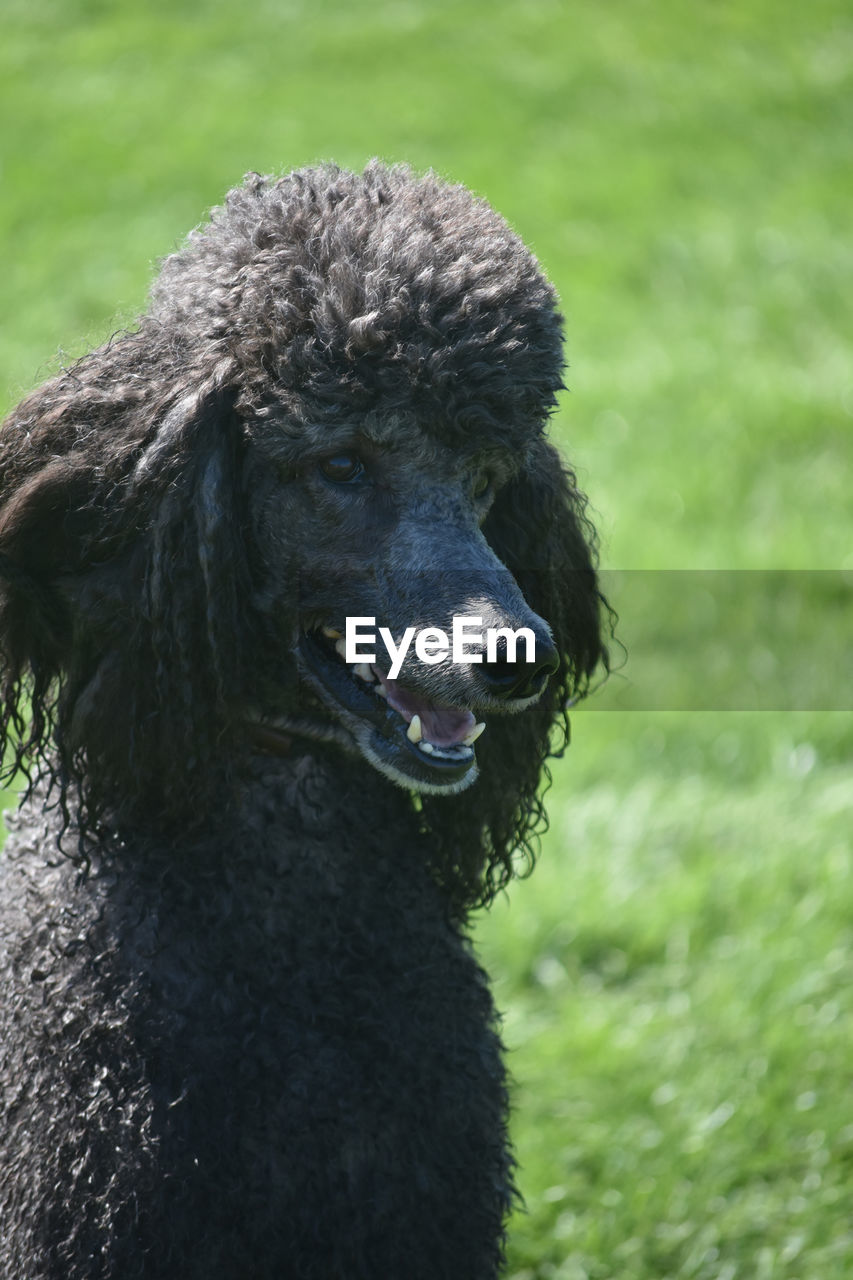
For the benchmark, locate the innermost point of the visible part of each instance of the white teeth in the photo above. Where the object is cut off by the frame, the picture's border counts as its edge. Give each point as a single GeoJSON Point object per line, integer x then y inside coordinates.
{"type": "Point", "coordinates": [415, 734]}
{"type": "Point", "coordinates": [341, 648]}
{"type": "Point", "coordinates": [456, 753]}
{"type": "Point", "coordinates": [332, 633]}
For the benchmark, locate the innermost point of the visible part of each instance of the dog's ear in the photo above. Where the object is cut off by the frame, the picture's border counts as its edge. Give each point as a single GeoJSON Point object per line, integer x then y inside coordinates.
{"type": "Point", "coordinates": [190, 588]}
{"type": "Point", "coordinates": [538, 527]}
{"type": "Point", "coordinates": [33, 539]}
{"type": "Point", "coordinates": [123, 576]}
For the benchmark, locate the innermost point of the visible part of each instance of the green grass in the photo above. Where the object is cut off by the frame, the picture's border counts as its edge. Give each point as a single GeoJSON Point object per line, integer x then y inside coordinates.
{"type": "Point", "coordinates": [677, 972]}
{"type": "Point", "coordinates": [677, 975]}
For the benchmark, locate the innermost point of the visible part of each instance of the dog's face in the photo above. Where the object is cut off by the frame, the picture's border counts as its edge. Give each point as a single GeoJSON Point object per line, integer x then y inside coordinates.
{"type": "Point", "coordinates": [410, 632]}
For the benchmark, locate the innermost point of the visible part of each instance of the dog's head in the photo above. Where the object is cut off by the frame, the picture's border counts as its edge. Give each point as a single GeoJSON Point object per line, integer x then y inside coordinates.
{"type": "Point", "coordinates": [334, 409]}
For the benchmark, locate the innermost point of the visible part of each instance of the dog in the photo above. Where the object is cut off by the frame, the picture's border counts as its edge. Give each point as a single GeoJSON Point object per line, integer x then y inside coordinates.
{"type": "Point", "coordinates": [242, 1029]}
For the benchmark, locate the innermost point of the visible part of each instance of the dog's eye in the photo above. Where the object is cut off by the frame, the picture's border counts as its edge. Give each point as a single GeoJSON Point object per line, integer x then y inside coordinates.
{"type": "Point", "coordinates": [342, 468]}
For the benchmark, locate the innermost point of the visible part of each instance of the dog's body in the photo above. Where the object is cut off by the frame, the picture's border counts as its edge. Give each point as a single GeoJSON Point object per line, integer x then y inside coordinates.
{"type": "Point", "coordinates": [317, 1111]}
{"type": "Point", "coordinates": [243, 1033]}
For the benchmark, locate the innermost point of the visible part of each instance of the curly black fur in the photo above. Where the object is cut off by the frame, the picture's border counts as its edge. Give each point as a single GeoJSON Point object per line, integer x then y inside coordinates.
{"type": "Point", "coordinates": [243, 1033]}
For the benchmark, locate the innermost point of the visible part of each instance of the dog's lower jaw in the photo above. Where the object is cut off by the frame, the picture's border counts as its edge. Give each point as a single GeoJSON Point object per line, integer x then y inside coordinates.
{"type": "Point", "coordinates": [420, 786]}
{"type": "Point", "coordinates": [288, 736]}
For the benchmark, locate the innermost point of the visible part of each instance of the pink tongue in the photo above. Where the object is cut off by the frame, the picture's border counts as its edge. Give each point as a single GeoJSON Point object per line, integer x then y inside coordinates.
{"type": "Point", "coordinates": [441, 724]}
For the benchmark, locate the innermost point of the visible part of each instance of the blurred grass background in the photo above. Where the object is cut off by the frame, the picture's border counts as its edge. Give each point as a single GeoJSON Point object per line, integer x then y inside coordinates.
{"type": "Point", "coordinates": [677, 973]}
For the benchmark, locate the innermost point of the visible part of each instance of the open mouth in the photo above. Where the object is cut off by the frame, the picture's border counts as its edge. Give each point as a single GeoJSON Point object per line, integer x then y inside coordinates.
{"type": "Point", "coordinates": [430, 743]}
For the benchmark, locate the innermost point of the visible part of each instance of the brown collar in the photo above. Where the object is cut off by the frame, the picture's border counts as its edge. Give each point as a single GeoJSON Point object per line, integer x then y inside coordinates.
{"type": "Point", "coordinates": [268, 739]}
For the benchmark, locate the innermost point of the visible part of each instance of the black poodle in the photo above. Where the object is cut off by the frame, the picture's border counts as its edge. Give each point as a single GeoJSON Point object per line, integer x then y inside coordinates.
{"type": "Point", "coordinates": [243, 1033]}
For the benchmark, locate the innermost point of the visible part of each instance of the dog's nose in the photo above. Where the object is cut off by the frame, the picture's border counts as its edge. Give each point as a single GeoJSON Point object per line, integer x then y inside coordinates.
{"type": "Point", "coordinates": [520, 679]}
